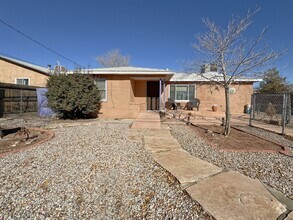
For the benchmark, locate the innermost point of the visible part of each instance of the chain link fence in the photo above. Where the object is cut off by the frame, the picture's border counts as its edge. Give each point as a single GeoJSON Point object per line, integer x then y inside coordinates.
{"type": "Point", "coordinates": [274, 109]}
{"type": "Point", "coordinates": [16, 99]}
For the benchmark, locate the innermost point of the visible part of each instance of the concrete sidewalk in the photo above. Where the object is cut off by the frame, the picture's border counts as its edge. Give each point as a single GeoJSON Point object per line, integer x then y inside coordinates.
{"type": "Point", "coordinates": [224, 194]}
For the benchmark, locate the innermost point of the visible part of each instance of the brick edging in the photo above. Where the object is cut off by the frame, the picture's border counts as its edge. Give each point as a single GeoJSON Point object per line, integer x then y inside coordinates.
{"type": "Point", "coordinates": [50, 135]}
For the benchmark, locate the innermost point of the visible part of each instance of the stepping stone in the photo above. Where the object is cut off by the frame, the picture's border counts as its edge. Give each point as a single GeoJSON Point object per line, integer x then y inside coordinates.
{"type": "Point", "coordinates": [165, 133]}
{"type": "Point", "coordinates": [232, 195]}
{"type": "Point", "coordinates": [290, 216]}
{"type": "Point", "coordinates": [186, 168]}
{"type": "Point", "coordinates": [134, 135]}
{"type": "Point", "coordinates": [157, 145]}
{"type": "Point", "coordinates": [146, 124]}
{"type": "Point", "coordinates": [280, 197]}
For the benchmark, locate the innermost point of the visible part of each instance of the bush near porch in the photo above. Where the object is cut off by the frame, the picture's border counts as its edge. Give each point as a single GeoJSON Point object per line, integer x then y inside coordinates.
{"type": "Point", "coordinates": [73, 96]}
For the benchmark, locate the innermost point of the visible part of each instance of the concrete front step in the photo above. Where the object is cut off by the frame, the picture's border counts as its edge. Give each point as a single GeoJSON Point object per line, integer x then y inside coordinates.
{"type": "Point", "coordinates": [147, 119]}
{"type": "Point", "coordinates": [232, 195]}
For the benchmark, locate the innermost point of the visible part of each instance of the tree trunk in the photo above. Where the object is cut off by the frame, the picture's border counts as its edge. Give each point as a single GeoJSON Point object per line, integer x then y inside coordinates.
{"type": "Point", "coordinates": [227, 114]}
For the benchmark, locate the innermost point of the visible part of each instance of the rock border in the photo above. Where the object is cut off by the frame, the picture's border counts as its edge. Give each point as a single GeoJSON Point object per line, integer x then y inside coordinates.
{"type": "Point", "coordinates": [285, 149]}
{"type": "Point", "coordinates": [50, 135]}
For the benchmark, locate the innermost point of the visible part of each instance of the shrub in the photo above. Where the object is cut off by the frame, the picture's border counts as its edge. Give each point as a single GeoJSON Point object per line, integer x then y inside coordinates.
{"type": "Point", "coordinates": [73, 96]}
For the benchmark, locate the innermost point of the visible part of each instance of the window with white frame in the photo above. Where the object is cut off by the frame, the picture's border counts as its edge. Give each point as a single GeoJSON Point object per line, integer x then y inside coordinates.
{"type": "Point", "coordinates": [182, 92]}
{"type": "Point", "coordinates": [102, 87]}
{"type": "Point", "coordinates": [22, 81]}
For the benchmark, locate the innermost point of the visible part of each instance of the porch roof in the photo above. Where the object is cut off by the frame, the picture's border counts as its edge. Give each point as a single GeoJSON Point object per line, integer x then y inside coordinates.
{"type": "Point", "coordinates": [128, 70]}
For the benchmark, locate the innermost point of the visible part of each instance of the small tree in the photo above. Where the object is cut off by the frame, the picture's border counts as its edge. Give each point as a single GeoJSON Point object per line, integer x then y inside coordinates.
{"type": "Point", "coordinates": [273, 82]}
{"type": "Point", "coordinates": [234, 56]}
{"type": "Point", "coordinates": [113, 58]}
{"type": "Point", "coordinates": [73, 96]}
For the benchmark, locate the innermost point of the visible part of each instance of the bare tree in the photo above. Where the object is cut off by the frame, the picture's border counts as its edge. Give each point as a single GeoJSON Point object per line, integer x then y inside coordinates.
{"type": "Point", "coordinates": [234, 55]}
{"type": "Point", "coordinates": [113, 58]}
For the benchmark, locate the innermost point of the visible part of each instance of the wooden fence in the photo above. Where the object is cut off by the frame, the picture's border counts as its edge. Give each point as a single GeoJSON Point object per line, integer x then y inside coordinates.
{"type": "Point", "coordinates": [16, 99]}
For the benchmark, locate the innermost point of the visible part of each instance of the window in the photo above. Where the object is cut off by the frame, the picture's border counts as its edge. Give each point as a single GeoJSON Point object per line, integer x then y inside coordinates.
{"type": "Point", "coordinates": [22, 81]}
{"type": "Point", "coordinates": [102, 87]}
{"type": "Point", "coordinates": [181, 92]}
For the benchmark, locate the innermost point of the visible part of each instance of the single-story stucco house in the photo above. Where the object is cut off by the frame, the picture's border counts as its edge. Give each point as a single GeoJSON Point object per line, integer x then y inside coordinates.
{"type": "Point", "coordinates": [15, 71]}
{"type": "Point", "coordinates": [127, 91]}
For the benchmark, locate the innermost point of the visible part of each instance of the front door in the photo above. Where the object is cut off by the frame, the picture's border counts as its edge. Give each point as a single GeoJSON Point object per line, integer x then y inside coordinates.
{"type": "Point", "coordinates": [153, 95]}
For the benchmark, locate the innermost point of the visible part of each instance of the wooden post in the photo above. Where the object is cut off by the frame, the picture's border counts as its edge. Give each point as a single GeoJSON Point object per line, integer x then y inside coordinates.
{"type": "Point", "coordinates": [251, 108]}
{"type": "Point", "coordinates": [164, 95]}
{"type": "Point", "coordinates": [284, 113]}
{"type": "Point", "coordinates": [2, 94]}
{"type": "Point", "coordinates": [188, 119]}
{"type": "Point", "coordinates": [160, 91]}
{"type": "Point", "coordinates": [20, 107]}
{"type": "Point", "coordinates": [253, 100]}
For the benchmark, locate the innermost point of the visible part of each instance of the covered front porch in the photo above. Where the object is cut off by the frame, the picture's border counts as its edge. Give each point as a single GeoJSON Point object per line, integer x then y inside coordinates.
{"type": "Point", "coordinates": [149, 92]}
{"type": "Point", "coordinates": [131, 90]}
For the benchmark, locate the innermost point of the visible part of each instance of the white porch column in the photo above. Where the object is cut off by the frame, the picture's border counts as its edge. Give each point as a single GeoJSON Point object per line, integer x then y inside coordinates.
{"type": "Point", "coordinates": [160, 93]}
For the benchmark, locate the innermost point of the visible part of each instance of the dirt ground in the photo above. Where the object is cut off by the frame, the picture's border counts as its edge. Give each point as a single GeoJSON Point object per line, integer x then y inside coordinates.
{"type": "Point", "coordinates": [18, 140]}
{"type": "Point", "coordinates": [238, 140]}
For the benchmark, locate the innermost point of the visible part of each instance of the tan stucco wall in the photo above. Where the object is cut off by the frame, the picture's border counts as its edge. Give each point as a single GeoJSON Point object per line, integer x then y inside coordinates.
{"type": "Point", "coordinates": [209, 95]}
{"type": "Point", "coordinates": [9, 72]}
{"type": "Point", "coordinates": [125, 97]}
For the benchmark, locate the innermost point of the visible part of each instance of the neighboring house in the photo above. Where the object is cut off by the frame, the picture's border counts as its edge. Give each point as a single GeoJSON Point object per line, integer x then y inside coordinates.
{"type": "Point", "coordinates": [126, 91]}
{"type": "Point", "coordinates": [16, 71]}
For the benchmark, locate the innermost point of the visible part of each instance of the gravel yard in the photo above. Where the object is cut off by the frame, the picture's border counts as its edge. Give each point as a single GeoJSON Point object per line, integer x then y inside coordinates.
{"type": "Point", "coordinates": [273, 169]}
{"type": "Point", "coordinates": [92, 171]}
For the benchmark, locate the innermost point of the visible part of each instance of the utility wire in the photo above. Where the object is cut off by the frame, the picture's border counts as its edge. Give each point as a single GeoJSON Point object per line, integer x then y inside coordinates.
{"type": "Point", "coordinates": [42, 45]}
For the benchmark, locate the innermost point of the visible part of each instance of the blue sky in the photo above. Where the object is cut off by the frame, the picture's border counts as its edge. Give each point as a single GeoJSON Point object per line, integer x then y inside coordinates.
{"type": "Point", "coordinates": [155, 33]}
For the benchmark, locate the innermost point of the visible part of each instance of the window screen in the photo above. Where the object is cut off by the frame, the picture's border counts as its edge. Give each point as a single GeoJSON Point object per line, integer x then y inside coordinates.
{"type": "Point", "coordinates": [102, 87]}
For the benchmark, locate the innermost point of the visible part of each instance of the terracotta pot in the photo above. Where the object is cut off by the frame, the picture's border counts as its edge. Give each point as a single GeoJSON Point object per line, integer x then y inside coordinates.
{"type": "Point", "coordinates": [215, 108]}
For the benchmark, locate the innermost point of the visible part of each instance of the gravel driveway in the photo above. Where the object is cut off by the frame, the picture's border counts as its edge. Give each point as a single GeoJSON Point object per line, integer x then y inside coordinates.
{"type": "Point", "coordinates": [91, 171]}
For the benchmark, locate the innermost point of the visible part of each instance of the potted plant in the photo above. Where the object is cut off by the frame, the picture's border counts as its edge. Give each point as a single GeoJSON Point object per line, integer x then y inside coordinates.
{"type": "Point", "coordinates": [215, 107]}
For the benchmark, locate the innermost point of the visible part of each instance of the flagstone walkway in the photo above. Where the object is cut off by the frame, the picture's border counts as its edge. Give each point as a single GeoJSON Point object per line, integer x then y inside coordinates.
{"type": "Point", "coordinates": [224, 194]}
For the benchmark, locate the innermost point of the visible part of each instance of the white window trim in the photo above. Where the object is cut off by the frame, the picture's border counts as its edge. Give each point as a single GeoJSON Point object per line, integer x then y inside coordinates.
{"type": "Point", "coordinates": [106, 88]}
{"type": "Point", "coordinates": [177, 100]}
{"type": "Point", "coordinates": [29, 80]}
